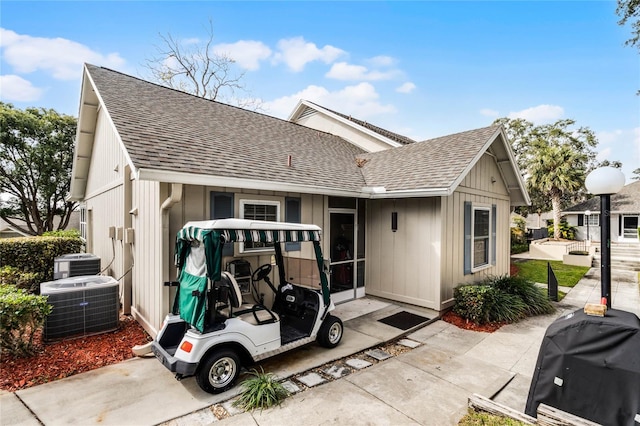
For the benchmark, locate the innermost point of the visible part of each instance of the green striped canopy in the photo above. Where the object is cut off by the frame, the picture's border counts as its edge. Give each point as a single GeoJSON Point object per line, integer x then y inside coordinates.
{"type": "Point", "coordinates": [215, 233]}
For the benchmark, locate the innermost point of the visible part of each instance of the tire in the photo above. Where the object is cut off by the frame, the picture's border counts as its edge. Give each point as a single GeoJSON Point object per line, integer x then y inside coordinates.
{"type": "Point", "coordinates": [219, 371]}
{"type": "Point", "coordinates": [330, 332]}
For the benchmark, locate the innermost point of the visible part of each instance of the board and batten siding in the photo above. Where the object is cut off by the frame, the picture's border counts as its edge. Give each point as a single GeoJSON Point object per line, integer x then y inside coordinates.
{"type": "Point", "coordinates": [150, 298]}
{"type": "Point", "coordinates": [404, 265]}
{"type": "Point", "coordinates": [483, 186]}
{"type": "Point", "coordinates": [104, 200]}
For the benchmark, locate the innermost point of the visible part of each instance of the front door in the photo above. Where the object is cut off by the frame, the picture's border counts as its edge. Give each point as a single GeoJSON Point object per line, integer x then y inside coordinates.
{"type": "Point", "coordinates": [630, 228]}
{"type": "Point", "coordinates": [342, 231]}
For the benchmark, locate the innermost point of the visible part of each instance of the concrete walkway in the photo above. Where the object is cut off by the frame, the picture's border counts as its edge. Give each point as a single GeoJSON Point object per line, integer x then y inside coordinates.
{"type": "Point", "coordinates": [428, 385]}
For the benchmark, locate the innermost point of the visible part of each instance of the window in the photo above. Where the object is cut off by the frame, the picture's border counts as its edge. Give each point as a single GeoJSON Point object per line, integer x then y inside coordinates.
{"type": "Point", "coordinates": [479, 236]}
{"type": "Point", "coordinates": [221, 207]}
{"type": "Point", "coordinates": [83, 222]}
{"type": "Point", "coordinates": [259, 210]}
{"type": "Point", "coordinates": [481, 217]}
{"type": "Point", "coordinates": [593, 220]}
{"type": "Point", "coordinates": [292, 214]}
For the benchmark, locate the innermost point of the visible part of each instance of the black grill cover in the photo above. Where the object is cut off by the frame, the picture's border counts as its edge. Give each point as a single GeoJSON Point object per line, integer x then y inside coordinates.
{"type": "Point", "coordinates": [589, 366]}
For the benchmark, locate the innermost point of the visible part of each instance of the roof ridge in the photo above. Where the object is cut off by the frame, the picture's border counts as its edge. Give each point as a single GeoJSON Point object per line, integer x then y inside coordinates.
{"type": "Point", "coordinates": [207, 99]}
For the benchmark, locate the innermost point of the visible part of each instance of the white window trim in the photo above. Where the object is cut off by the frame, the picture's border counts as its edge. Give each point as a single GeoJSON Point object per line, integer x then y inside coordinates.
{"type": "Point", "coordinates": [487, 265]}
{"type": "Point", "coordinates": [84, 213]}
{"type": "Point", "coordinates": [590, 221]}
{"type": "Point", "coordinates": [242, 203]}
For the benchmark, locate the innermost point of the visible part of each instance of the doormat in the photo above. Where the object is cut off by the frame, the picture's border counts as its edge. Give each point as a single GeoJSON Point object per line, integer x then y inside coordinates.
{"type": "Point", "coordinates": [403, 320]}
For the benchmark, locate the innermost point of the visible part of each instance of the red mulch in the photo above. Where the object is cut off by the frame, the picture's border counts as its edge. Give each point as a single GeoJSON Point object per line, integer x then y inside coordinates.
{"type": "Point", "coordinates": [57, 360]}
{"type": "Point", "coordinates": [513, 270]}
{"type": "Point", "coordinates": [455, 319]}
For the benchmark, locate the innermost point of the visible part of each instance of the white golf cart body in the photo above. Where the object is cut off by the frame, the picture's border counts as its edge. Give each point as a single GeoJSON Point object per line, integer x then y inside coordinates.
{"type": "Point", "coordinates": [211, 332]}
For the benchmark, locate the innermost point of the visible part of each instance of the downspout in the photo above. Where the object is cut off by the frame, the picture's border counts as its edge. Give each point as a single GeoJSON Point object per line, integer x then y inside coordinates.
{"type": "Point", "coordinates": [174, 197]}
{"type": "Point", "coordinates": [165, 208]}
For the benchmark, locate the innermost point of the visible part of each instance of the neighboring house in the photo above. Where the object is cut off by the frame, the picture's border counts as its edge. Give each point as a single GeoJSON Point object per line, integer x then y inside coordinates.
{"type": "Point", "coordinates": [9, 231]}
{"type": "Point", "coordinates": [625, 216]}
{"type": "Point", "coordinates": [404, 220]}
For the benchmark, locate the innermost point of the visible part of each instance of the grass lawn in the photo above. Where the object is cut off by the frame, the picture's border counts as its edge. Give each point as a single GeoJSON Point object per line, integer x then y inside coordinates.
{"type": "Point", "coordinates": [536, 271]}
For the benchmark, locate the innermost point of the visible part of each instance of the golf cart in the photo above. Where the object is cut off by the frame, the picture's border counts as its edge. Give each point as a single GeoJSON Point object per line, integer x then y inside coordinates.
{"type": "Point", "coordinates": [212, 332]}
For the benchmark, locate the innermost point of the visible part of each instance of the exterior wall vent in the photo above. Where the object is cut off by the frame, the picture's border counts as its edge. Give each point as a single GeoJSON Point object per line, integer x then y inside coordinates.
{"type": "Point", "coordinates": [81, 306]}
{"type": "Point", "coordinates": [76, 264]}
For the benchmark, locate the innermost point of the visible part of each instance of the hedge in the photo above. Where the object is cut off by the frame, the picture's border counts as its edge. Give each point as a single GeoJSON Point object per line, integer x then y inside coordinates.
{"type": "Point", "coordinates": [36, 254]}
{"type": "Point", "coordinates": [21, 315]}
{"type": "Point", "coordinates": [28, 281]}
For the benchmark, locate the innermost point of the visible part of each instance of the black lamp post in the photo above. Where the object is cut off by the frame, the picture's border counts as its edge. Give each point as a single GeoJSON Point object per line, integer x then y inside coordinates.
{"type": "Point", "coordinates": [604, 182]}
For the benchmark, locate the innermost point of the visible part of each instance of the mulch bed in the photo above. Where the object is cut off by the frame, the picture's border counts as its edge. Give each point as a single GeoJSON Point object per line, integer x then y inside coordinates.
{"type": "Point", "coordinates": [455, 319]}
{"type": "Point", "coordinates": [53, 361]}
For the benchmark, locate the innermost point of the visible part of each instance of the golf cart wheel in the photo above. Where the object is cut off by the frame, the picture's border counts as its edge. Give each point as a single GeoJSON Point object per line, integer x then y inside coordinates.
{"type": "Point", "coordinates": [219, 371]}
{"type": "Point", "coordinates": [330, 332]}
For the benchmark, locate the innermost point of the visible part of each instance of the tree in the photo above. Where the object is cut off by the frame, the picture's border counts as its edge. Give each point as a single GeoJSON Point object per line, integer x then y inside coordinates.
{"type": "Point", "coordinates": [555, 170]}
{"type": "Point", "coordinates": [539, 150]}
{"type": "Point", "coordinates": [36, 155]}
{"type": "Point", "coordinates": [636, 174]}
{"type": "Point", "coordinates": [630, 10]}
{"type": "Point", "coordinates": [195, 68]}
{"type": "Point", "coordinates": [607, 163]}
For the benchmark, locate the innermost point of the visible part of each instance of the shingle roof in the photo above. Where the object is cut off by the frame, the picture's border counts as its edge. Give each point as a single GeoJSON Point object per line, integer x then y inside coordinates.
{"type": "Point", "coordinates": [627, 200]}
{"type": "Point", "coordinates": [379, 130]}
{"type": "Point", "coordinates": [164, 129]}
{"type": "Point", "coordinates": [434, 163]}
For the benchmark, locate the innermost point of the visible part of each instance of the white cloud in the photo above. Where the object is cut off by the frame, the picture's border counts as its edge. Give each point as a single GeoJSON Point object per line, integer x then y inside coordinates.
{"type": "Point", "coordinates": [487, 112]}
{"type": "Point", "coordinates": [61, 57]}
{"type": "Point", "coordinates": [407, 87]}
{"type": "Point", "coordinates": [296, 53]}
{"type": "Point", "coordinates": [16, 89]}
{"type": "Point", "coordinates": [382, 61]}
{"type": "Point", "coordinates": [603, 154]}
{"type": "Point", "coordinates": [190, 41]}
{"type": "Point", "coordinates": [609, 137]}
{"type": "Point", "coordinates": [246, 53]}
{"type": "Point", "coordinates": [345, 71]}
{"type": "Point", "coordinates": [540, 114]}
{"type": "Point", "coordinates": [361, 101]}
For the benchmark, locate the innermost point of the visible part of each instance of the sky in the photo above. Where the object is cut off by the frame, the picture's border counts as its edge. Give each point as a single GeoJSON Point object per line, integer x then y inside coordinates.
{"type": "Point", "coordinates": [422, 68]}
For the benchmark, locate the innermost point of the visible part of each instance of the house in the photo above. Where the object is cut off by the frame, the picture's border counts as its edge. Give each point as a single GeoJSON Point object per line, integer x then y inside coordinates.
{"type": "Point", "coordinates": [404, 220]}
{"type": "Point", "coordinates": [625, 216]}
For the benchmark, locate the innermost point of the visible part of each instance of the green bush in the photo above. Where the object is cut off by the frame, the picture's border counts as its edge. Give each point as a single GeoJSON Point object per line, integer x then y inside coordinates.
{"type": "Point", "coordinates": [28, 281]}
{"type": "Point", "coordinates": [567, 231]}
{"type": "Point", "coordinates": [500, 299]}
{"type": "Point", "coordinates": [579, 252]}
{"type": "Point", "coordinates": [21, 315]}
{"type": "Point", "coordinates": [261, 391]}
{"type": "Point", "coordinates": [519, 248]}
{"type": "Point", "coordinates": [36, 254]}
{"type": "Point", "coordinates": [68, 233]}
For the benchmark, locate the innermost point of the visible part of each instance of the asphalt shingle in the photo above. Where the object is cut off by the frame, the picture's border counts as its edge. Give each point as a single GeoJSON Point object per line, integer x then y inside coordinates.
{"type": "Point", "coordinates": [627, 200]}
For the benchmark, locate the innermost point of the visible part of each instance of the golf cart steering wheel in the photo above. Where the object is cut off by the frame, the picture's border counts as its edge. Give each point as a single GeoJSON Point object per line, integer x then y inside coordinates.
{"type": "Point", "coordinates": [261, 273]}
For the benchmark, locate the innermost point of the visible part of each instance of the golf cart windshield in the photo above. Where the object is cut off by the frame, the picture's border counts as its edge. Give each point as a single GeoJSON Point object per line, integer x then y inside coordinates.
{"type": "Point", "coordinates": [198, 256]}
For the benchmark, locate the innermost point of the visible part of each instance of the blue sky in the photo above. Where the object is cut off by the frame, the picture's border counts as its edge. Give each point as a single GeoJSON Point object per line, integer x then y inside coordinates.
{"type": "Point", "coordinates": [422, 68]}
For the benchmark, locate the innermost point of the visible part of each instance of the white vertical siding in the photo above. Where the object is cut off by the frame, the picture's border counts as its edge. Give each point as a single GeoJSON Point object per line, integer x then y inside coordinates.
{"type": "Point", "coordinates": [104, 198]}
{"type": "Point", "coordinates": [404, 265]}
{"type": "Point", "coordinates": [150, 299]}
{"type": "Point", "coordinates": [478, 187]}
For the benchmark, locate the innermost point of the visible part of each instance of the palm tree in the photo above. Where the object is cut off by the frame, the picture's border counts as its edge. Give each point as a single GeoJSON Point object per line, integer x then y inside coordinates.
{"type": "Point", "coordinates": [554, 170]}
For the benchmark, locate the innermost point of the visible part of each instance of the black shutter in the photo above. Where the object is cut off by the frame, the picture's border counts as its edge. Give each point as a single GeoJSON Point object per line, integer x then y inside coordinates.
{"type": "Point", "coordinates": [293, 214]}
{"type": "Point", "coordinates": [222, 208]}
{"type": "Point", "coordinates": [493, 234]}
{"type": "Point", "coordinates": [467, 237]}
{"type": "Point", "coordinates": [580, 220]}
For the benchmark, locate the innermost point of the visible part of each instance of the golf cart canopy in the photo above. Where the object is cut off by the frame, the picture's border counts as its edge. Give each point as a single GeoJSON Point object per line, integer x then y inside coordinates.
{"type": "Point", "coordinates": [212, 235]}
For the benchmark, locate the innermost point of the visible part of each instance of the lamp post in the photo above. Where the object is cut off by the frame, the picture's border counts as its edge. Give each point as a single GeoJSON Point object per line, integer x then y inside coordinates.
{"type": "Point", "coordinates": [587, 215]}
{"type": "Point", "coordinates": [604, 182]}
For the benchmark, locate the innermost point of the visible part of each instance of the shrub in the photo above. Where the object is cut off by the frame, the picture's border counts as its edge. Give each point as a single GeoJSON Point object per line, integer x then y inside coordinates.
{"type": "Point", "coordinates": [519, 248]}
{"type": "Point", "coordinates": [567, 231]}
{"type": "Point", "coordinates": [36, 254]}
{"type": "Point", "coordinates": [67, 233]}
{"type": "Point", "coordinates": [21, 315]}
{"type": "Point", "coordinates": [579, 252]}
{"type": "Point", "coordinates": [28, 281]}
{"type": "Point", "coordinates": [500, 299]}
{"type": "Point", "coordinates": [261, 391]}
{"type": "Point", "coordinates": [534, 298]}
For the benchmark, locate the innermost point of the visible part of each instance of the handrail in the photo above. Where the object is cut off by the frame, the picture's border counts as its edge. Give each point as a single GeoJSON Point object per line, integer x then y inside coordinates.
{"type": "Point", "coordinates": [577, 246]}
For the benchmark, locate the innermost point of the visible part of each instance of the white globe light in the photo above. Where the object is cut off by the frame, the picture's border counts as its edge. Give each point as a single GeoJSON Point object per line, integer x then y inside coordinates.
{"type": "Point", "coordinates": [605, 180]}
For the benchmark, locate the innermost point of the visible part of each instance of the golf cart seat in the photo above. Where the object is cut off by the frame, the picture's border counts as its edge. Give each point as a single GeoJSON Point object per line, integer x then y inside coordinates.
{"type": "Point", "coordinates": [252, 314]}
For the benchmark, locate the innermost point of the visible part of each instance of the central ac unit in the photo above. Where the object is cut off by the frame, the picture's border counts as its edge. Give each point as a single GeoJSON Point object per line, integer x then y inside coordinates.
{"type": "Point", "coordinates": [81, 306]}
{"type": "Point", "coordinates": [75, 264]}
